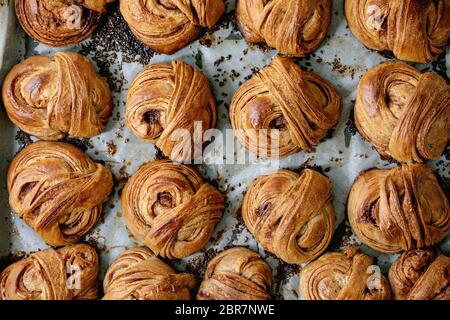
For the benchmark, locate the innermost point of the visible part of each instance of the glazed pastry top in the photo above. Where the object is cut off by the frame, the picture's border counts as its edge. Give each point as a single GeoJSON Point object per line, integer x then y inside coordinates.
{"type": "Point", "coordinates": [415, 30]}
{"type": "Point", "coordinates": [392, 210]}
{"type": "Point", "coordinates": [403, 112]}
{"type": "Point", "coordinates": [58, 190]}
{"type": "Point", "coordinates": [236, 274]}
{"type": "Point", "coordinates": [54, 97]}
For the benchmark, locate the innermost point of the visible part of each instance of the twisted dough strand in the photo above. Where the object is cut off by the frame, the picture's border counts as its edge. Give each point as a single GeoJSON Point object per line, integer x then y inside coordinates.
{"type": "Point", "coordinates": [404, 113]}
{"type": "Point", "coordinates": [64, 274]}
{"type": "Point", "coordinates": [292, 27]}
{"type": "Point", "coordinates": [166, 98]}
{"type": "Point", "coordinates": [171, 209]}
{"type": "Point", "coordinates": [54, 97]}
{"type": "Point", "coordinates": [60, 23]}
{"type": "Point", "coordinates": [421, 275]}
{"type": "Point", "coordinates": [236, 274]}
{"type": "Point", "coordinates": [415, 30]}
{"type": "Point", "coordinates": [169, 25]}
{"type": "Point", "coordinates": [299, 104]}
{"type": "Point", "coordinates": [399, 209]}
{"type": "Point", "coordinates": [290, 215]}
{"type": "Point", "coordinates": [342, 276]}
{"type": "Point", "coordinates": [58, 190]}
{"type": "Point", "coordinates": [139, 275]}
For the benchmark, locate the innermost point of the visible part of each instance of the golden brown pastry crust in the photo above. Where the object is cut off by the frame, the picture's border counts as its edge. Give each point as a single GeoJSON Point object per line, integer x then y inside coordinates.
{"type": "Point", "coordinates": [69, 273]}
{"type": "Point", "coordinates": [415, 30]}
{"type": "Point", "coordinates": [170, 25]}
{"type": "Point", "coordinates": [60, 23]}
{"type": "Point", "coordinates": [403, 112]}
{"type": "Point", "coordinates": [346, 275]}
{"type": "Point", "coordinates": [293, 27]}
{"type": "Point", "coordinates": [171, 209]}
{"type": "Point", "coordinates": [138, 274]}
{"type": "Point", "coordinates": [404, 208]}
{"type": "Point", "coordinates": [54, 97]}
{"type": "Point", "coordinates": [421, 274]}
{"type": "Point", "coordinates": [299, 104]}
{"type": "Point", "coordinates": [164, 98]}
{"type": "Point", "coordinates": [58, 190]}
{"type": "Point", "coordinates": [236, 274]}
{"type": "Point", "coordinates": [291, 215]}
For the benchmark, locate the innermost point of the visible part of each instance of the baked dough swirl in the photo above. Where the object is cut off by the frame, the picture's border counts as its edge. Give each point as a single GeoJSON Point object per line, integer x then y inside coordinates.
{"type": "Point", "coordinates": [138, 274]}
{"type": "Point", "coordinates": [421, 274]}
{"type": "Point", "coordinates": [60, 23]}
{"type": "Point", "coordinates": [170, 25]}
{"type": "Point", "coordinates": [291, 215]}
{"type": "Point", "coordinates": [58, 190]}
{"type": "Point", "coordinates": [171, 209]}
{"type": "Point", "coordinates": [69, 273]}
{"type": "Point", "coordinates": [404, 113]}
{"type": "Point", "coordinates": [347, 275]}
{"type": "Point", "coordinates": [293, 27]}
{"type": "Point", "coordinates": [404, 208]}
{"type": "Point", "coordinates": [414, 30]}
{"type": "Point", "coordinates": [299, 105]}
{"type": "Point", "coordinates": [164, 99]}
{"type": "Point", "coordinates": [58, 96]}
{"type": "Point", "coordinates": [236, 274]}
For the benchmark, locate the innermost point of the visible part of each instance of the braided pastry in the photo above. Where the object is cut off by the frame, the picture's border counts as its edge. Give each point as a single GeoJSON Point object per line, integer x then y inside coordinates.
{"type": "Point", "coordinates": [236, 274]}
{"type": "Point", "coordinates": [415, 30]}
{"type": "Point", "coordinates": [290, 215]}
{"type": "Point", "coordinates": [347, 275]}
{"type": "Point", "coordinates": [299, 105]}
{"type": "Point", "coordinates": [171, 209]}
{"type": "Point", "coordinates": [60, 23]}
{"type": "Point", "coordinates": [421, 274]}
{"type": "Point", "coordinates": [65, 274]}
{"type": "Point", "coordinates": [58, 190]}
{"type": "Point", "coordinates": [399, 209]}
{"type": "Point", "coordinates": [54, 97]}
{"type": "Point", "coordinates": [404, 113]}
{"type": "Point", "coordinates": [139, 275]}
{"type": "Point", "coordinates": [293, 27]}
{"type": "Point", "coordinates": [170, 25]}
{"type": "Point", "coordinates": [164, 98]}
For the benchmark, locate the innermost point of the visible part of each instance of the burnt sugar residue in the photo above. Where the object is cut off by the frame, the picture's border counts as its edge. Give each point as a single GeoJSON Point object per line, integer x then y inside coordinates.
{"type": "Point", "coordinates": [350, 128]}
{"type": "Point", "coordinates": [342, 237]}
{"type": "Point", "coordinates": [23, 139]}
{"type": "Point", "coordinates": [11, 258]}
{"type": "Point", "coordinates": [114, 35]}
{"type": "Point", "coordinates": [81, 143]}
{"type": "Point", "coordinates": [283, 274]}
{"type": "Point", "coordinates": [197, 266]}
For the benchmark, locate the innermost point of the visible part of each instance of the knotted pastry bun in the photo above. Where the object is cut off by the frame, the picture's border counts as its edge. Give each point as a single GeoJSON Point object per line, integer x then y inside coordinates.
{"type": "Point", "coordinates": [54, 97]}
{"type": "Point", "coordinates": [291, 215]}
{"type": "Point", "coordinates": [403, 112]}
{"type": "Point", "coordinates": [139, 275]}
{"type": "Point", "coordinates": [170, 25]}
{"type": "Point", "coordinates": [421, 274]}
{"type": "Point", "coordinates": [60, 23]}
{"type": "Point", "coordinates": [293, 27]}
{"type": "Point", "coordinates": [171, 209]}
{"type": "Point", "coordinates": [347, 275]}
{"type": "Point", "coordinates": [404, 208]}
{"type": "Point", "coordinates": [69, 273]}
{"type": "Point", "coordinates": [236, 274]}
{"type": "Point", "coordinates": [299, 105]}
{"type": "Point", "coordinates": [415, 30]}
{"type": "Point", "coordinates": [166, 98]}
{"type": "Point", "coordinates": [58, 190]}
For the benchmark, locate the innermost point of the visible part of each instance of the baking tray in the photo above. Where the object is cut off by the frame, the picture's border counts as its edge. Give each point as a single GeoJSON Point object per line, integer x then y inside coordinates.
{"type": "Point", "coordinates": [227, 60]}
